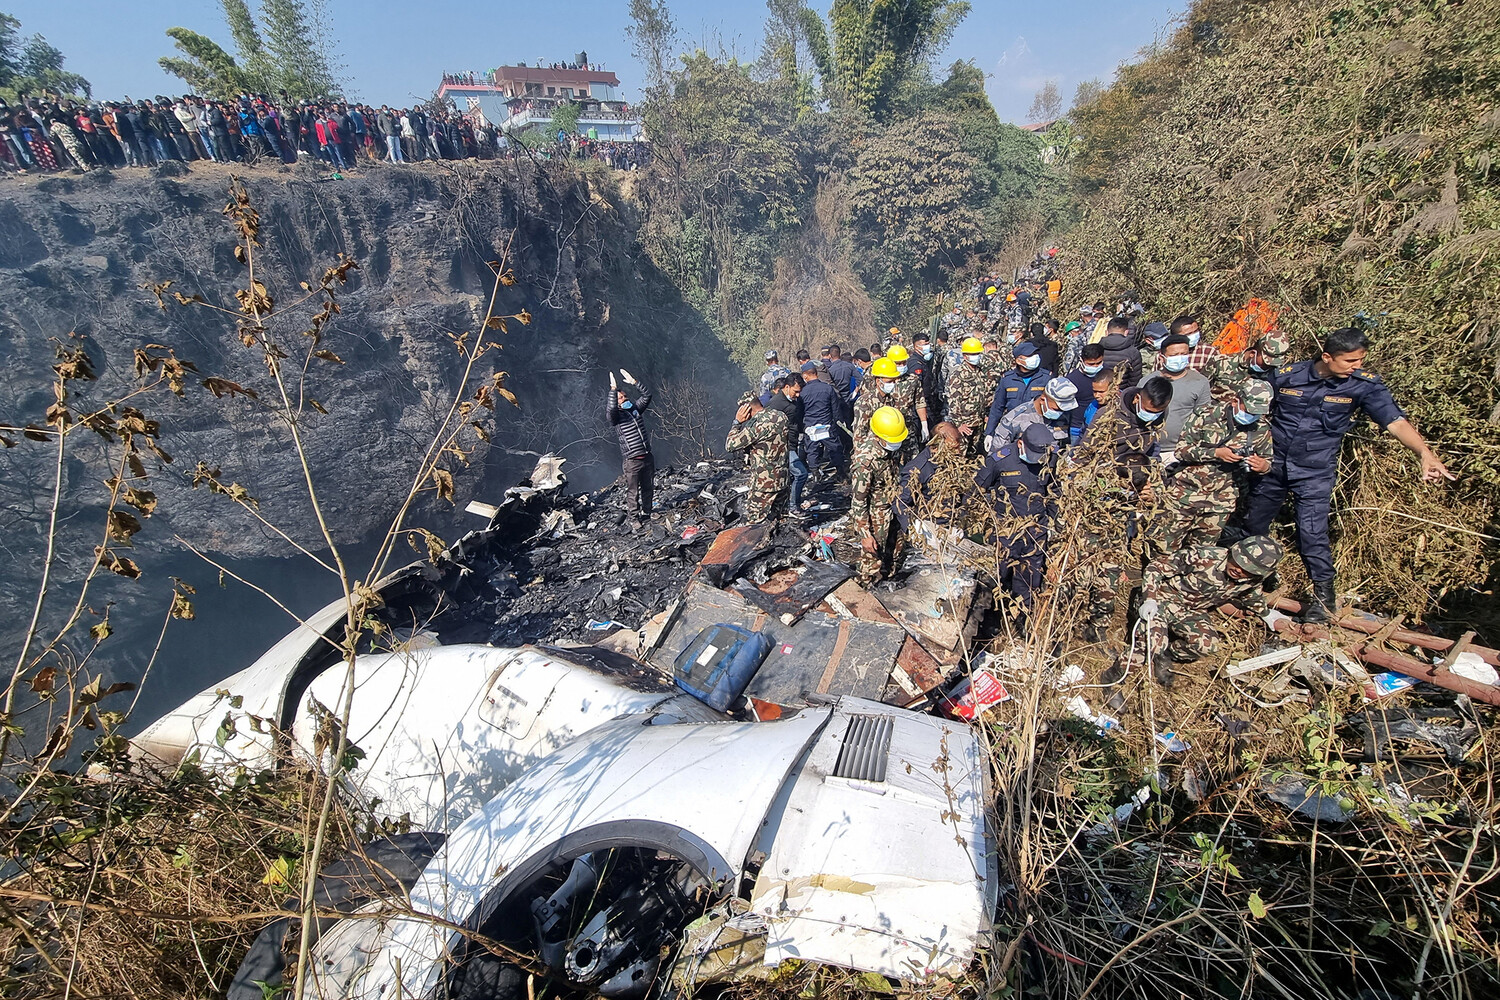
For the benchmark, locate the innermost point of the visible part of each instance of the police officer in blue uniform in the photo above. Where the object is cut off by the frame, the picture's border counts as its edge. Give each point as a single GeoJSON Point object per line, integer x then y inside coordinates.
{"type": "Point", "coordinates": [1314, 406]}
{"type": "Point", "coordinates": [1020, 476]}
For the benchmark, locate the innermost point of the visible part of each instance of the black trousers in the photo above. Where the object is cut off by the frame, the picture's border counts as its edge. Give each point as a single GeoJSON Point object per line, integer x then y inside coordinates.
{"type": "Point", "coordinates": [637, 475]}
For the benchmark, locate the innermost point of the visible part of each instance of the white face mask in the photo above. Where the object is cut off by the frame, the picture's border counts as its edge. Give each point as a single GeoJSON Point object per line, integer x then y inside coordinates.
{"type": "Point", "coordinates": [1176, 363]}
{"type": "Point", "coordinates": [1030, 362]}
{"type": "Point", "coordinates": [973, 359]}
{"type": "Point", "coordinates": [1092, 369]}
{"type": "Point", "coordinates": [887, 387]}
{"type": "Point", "coordinates": [892, 445]}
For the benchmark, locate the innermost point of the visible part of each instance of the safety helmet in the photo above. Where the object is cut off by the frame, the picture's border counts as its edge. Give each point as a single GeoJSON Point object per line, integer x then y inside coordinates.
{"type": "Point", "coordinates": [897, 353]}
{"type": "Point", "coordinates": [888, 424]}
{"type": "Point", "coordinates": [894, 331]}
{"type": "Point", "coordinates": [1010, 297]}
{"type": "Point", "coordinates": [884, 368]}
{"type": "Point", "coordinates": [990, 290]}
{"type": "Point", "coordinates": [1073, 324]}
{"type": "Point", "coordinates": [972, 345]}
{"type": "Point", "coordinates": [1256, 555]}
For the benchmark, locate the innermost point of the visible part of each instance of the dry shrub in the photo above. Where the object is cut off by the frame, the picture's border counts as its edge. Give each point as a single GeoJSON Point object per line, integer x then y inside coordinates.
{"type": "Point", "coordinates": [1336, 159]}
{"type": "Point", "coordinates": [815, 296]}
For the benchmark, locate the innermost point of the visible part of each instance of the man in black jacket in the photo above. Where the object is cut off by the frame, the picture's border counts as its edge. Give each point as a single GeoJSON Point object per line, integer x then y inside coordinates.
{"type": "Point", "coordinates": [638, 467]}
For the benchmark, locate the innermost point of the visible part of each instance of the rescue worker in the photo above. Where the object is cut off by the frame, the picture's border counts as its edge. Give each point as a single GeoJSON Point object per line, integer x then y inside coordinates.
{"type": "Point", "coordinates": [774, 370]}
{"type": "Point", "coordinates": [1221, 451]}
{"type": "Point", "coordinates": [873, 482]}
{"type": "Point", "coordinates": [1120, 351]}
{"type": "Point", "coordinates": [637, 466]}
{"type": "Point", "coordinates": [943, 457]}
{"type": "Point", "coordinates": [786, 395]}
{"type": "Point", "coordinates": [908, 397]}
{"type": "Point", "coordinates": [1181, 591]}
{"type": "Point", "coordinates": [879, 389]}
{"type": "Point", "coordinates": [1257, 361]}
{"type": "Point", "coordinates": [927, 367]}
{"type": "Point", "coordinates": [1019, 477]}
{"type": "Point", "coordinates": [822, 411]}
{"type": "Point", "coordinates": [1054, 409]}
{"type": "Point", "coordinates": [763, 433]}
{"type": "Point", "coordinates": [1020, 386]}
{"type": "Point", "coordinates": [1314, 407]}
{"type": "Point", "coordinates": [970, 394]}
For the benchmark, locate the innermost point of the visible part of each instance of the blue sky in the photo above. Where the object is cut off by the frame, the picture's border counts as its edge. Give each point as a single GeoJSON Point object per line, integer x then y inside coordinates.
{"type": "Point", "coordinates": [395, 52]}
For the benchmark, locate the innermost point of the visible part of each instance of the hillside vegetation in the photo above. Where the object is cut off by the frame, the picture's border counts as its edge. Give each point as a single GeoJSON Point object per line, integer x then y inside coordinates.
{"type": "Point", "coordinates": [1339, 158]}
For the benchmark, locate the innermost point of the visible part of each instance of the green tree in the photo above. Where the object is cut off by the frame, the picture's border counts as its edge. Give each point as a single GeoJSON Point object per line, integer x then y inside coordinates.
{"type": "Point", "coordinates": [565, 117]}
{"type": "Point", "coordinates": [247, 44]}
{"type": "Point", "coordinates": [880, 44]}
{"type": "Point", "coordinates": [653, 35]}
{"type": "Point", "coordinates": [207, 68]}
{"type": "Point", "coordinates": [917, 202]}
{"type": "Point", "coordinates": [37, 66]}
{"type": "Point", "coordinates": [299, 66]}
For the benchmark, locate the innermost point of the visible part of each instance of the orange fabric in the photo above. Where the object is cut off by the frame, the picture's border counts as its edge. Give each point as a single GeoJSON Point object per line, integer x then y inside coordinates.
{"type": "Point", "coordinates": [1251, 321]}
{"type": "Point", "coordinates": [1054, 291]}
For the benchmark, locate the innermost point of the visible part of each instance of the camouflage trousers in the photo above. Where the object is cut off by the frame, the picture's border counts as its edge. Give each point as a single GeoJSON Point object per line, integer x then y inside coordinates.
{"type": "Point", "coordinates": [1180, 526]}
{"type": "Point", "coordinates": [762, 504]}
{"type": "Point", "coordinates": [873, 567]}
{"type": "Point", "coordinates": [1097, 575]}
{"type": "Point", "coordinates": [1187, 632]}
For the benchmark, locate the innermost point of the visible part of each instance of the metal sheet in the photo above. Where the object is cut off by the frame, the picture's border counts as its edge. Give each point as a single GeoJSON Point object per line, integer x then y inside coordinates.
{"type": "Point", "coordinates": [933, 604]}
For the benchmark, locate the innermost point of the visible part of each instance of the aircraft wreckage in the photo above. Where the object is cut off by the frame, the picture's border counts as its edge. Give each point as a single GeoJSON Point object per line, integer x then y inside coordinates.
{"type": "Point", "coordinates": [752, 775]}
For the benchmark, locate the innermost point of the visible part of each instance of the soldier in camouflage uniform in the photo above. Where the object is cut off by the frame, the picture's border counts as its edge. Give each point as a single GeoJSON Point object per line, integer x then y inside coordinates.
{"type": "Point", "coordinates": [1228, 371]}
{"type": "Point", "coordinates": [1180, 592]}
{"type": "Point", "coordinates": [764, 432]}
{"type": "Point", "coordinates": [872, 396]}
{"type": "Point", "coordinates": [1220, 449]}
{"type": "Point", "coordinates": [774, 370]}
{"type": "Point", "coordinates": [874, 479]}
{"type": "Point", "coordinates": [970, 392]}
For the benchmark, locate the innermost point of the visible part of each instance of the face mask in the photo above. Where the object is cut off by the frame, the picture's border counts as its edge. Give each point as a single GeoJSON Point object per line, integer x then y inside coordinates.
{"type": "Point", "coordinates": [1146, 415]}
{"type": "Point", "coordinates": [1176, 363]}
{"type": "Point", "coordinates": [887, 387]}
{"type": "Point", "coordinates": [1193, 339]}
{"type": "Point", "coordinates": [627, 405]}
{"type": "Point", "coordinates": [892, 445]}
{"type": "Point", "coordinates": [1256, 366]}
{"type": "Point", "coordinates": [926, 354]}
{"type": "Point", "coordinates": [1024, 457]}
{"type": "Point", "coordinates": [1051, 414]}
{"type": "Point", "coordinates": [973, 359]}
{"type": "Point", "coordinates": [1092, 369]}
{"type": "Point", "coordinates": [1245, 419]}
{"type": "Point", "coordinates": [1031, 362]}
{"type": "Point", "coordinates": [900, 369]}
{"type": "Point", "coordinates": [1156, 342]}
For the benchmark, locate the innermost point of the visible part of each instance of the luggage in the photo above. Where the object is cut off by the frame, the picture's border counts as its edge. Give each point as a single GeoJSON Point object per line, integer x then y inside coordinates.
{"type": "Point", "coordinates": [717, 666]}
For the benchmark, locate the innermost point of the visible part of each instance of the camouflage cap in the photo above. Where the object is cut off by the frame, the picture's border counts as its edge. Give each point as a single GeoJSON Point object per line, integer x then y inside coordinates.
{"type": "Point", "coordinates": [1255, 396]}
{"type": "Point", "coordinates": [1274, 344]}
{"type": "Point", "coordinates": [1256, 555]}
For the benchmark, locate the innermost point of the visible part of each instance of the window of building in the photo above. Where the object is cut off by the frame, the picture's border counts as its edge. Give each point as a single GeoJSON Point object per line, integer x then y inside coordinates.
{"type": "Point", "coordinates": [551, 91]}
{"type": "Point", "coordinates": [568, 93]}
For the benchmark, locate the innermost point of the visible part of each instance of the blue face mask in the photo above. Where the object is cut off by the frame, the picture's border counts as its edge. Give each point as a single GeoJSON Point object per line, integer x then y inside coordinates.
{"type": "Point", "coordinates": [1176, 363]}
{"type": "Point", "coordinates": [901, 369]}
{"type": "Point", "coordinates": [1092, 369]}
{"type": "Point", "coordinates": [1245, 419]}
{"type": "Point", "coordinates": [1146, 415]}
{"type": "Point", "coordinates": [627, 405]}
{"type": "Point", "coordinates": [887, 387]}
{"type": "Point", "coordinates": [974, 359]}
{"type": "Point", "coordinates": [1031, 362]}
{"type": "Point", "coordinates": [1193, 339]}
{"type": "Point", "coordinates": [892, 445]}
{"type": "Point", "coordinates": [926, 354]}
{"type": "Point", "coordinates": [1051, 414]}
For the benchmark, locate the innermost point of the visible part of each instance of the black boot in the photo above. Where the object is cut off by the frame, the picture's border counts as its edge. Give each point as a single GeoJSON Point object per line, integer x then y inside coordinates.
{"type": "Point", "coordinates": [1320, 605]}
{"type": "Point", "coordinates": [1161, 668]}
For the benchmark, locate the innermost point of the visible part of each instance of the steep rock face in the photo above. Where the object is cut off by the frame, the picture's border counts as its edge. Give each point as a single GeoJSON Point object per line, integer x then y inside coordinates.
{"type": "Point", "coordinates": [76, 255]}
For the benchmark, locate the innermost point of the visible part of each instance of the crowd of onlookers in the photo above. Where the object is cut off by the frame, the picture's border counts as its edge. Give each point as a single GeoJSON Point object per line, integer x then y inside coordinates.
{"type": "Point", "coordinates": [60, 134]}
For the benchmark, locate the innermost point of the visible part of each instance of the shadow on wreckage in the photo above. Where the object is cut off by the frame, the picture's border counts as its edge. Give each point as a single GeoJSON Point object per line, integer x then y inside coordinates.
{"type": "Point", "coordinates": [583, 819]}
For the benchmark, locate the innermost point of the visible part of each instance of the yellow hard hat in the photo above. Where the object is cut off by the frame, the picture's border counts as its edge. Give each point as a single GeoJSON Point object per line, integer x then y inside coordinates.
{"type": "Point", "coordinates": [888, 424]}
{"type": "Point", "coordinates": [897, 353]}
{"type": "Point", "coordinates": [990, 290]}
{"type": "Point", "coordinates": [972, 345]}
{"type": "Point", "coordinates": [884, 368]}
{"type": "Point", "coordinates": [894, 330]}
